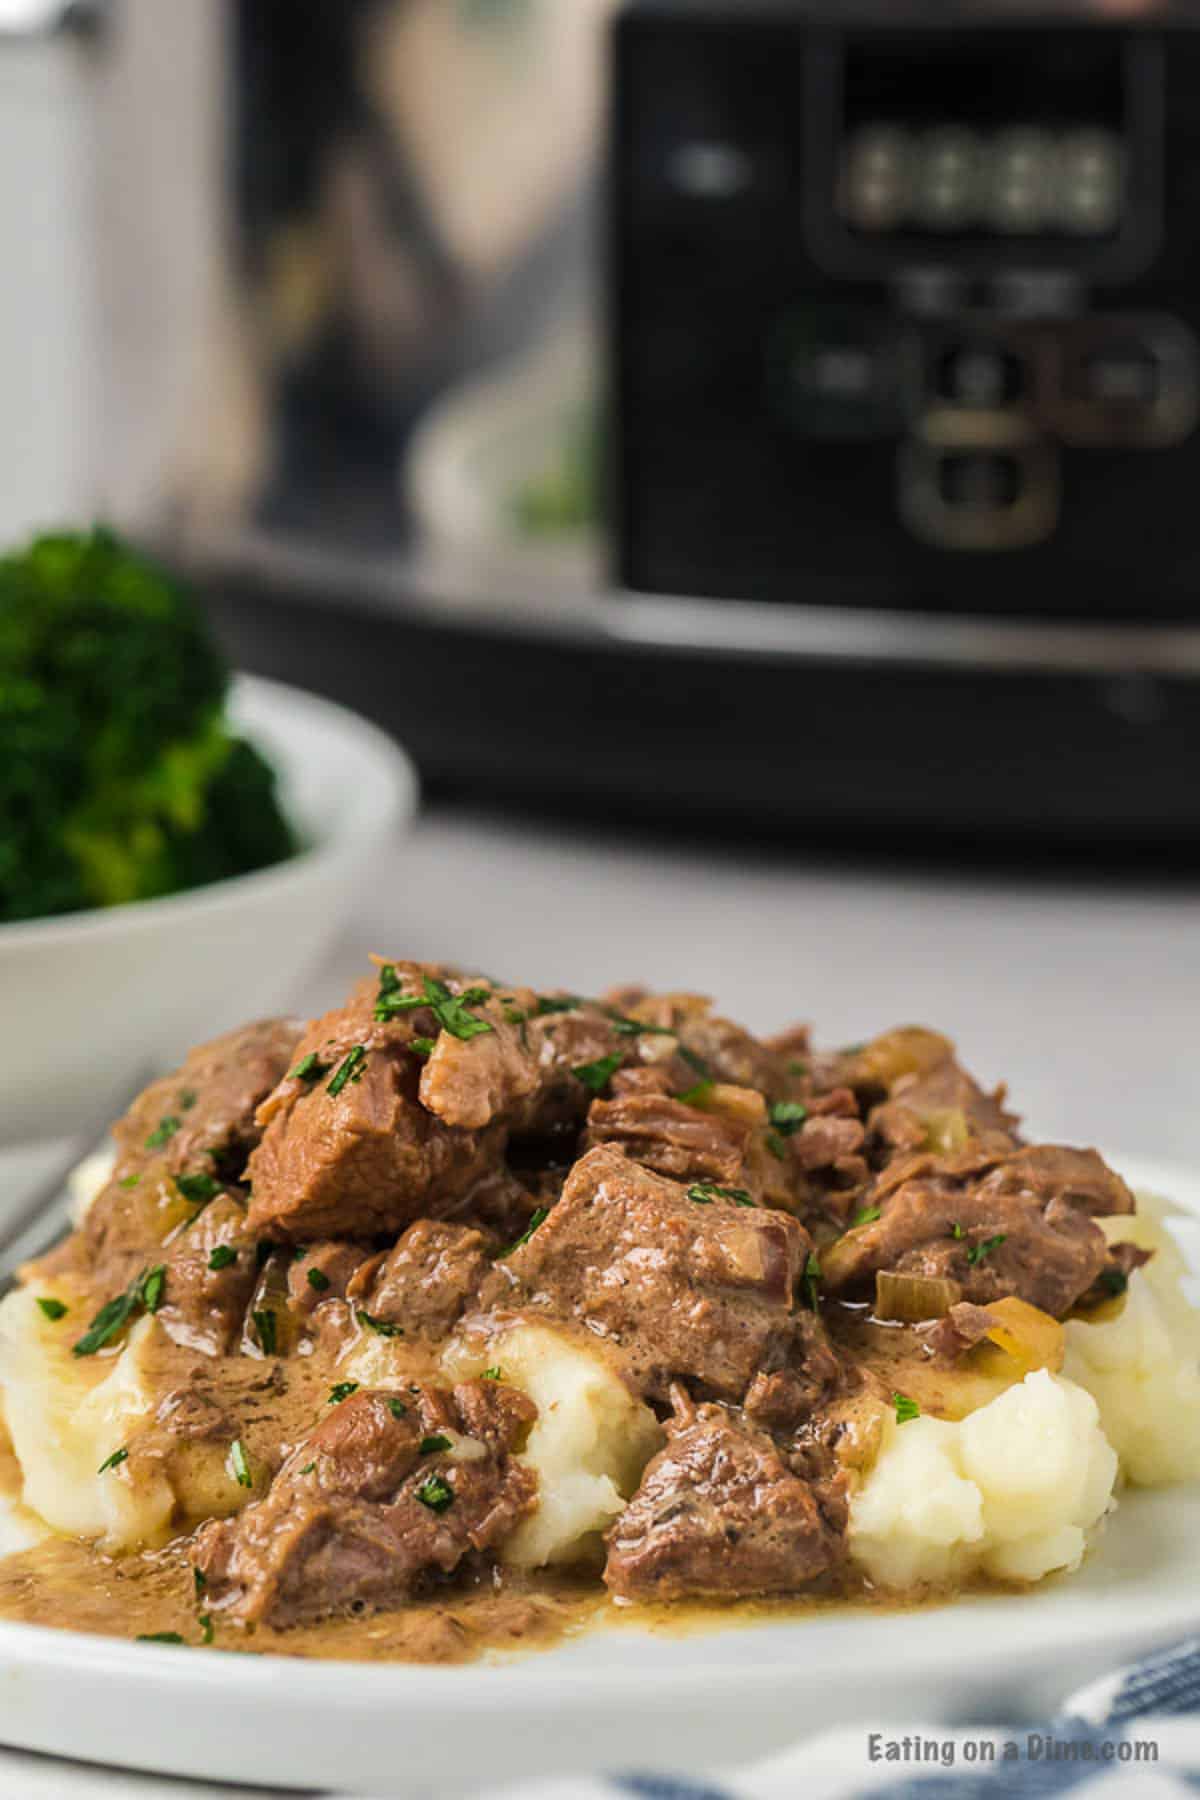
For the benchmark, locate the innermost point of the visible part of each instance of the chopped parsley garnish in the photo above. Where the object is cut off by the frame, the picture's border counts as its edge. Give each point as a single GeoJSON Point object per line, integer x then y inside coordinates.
{"type": "Point", "coordinates": [423, 1046]}
{"type": "Point", "coordinates": [222, 1256]}
{"type": "Point", "coordinates": [163, 1132]}
{"type": "Point", "coordinates": [397, 1408]}
{"type": "Point", "coordinates": [797, 1068]}
{"type": "Point", "coordinates": [199, 1578]}
{"type": "Point", "coordinates": [187, 1099]}
{"type": "Point", "coordinates": [310, 1068]}
{"type": "Point", "coordinates": [703, 1193]}
{"type": "Point", "coordinates": [787, 1116]}
{"type": "Point", "coordinates": [53, 1309]}
{"type": "Point", "coordinates": [452, 1013]}
{"type": "Point", "coordinates": [198, 1189]}
{"type": "Point", "coordinates": [341, 1390]}
{"type": "Point", "coordinates": [350, 1069]}
{"type": "Point", "coordinates": [158, 1637]}
{"type": "Point", "coordinates": [695, 1062]}
{"type": "Point", "coordinates": [597, 1075]}
{"type": "Point", "coordinates": [635, 1027]}
{"type": "Point", "coordinates": [205, 1623]}
{"type": "Point", "coordinates": [391, 999]}
{"type": "Point", "coordinates": [266, 1328]}
{"type": "Point", "coordinates": [1114, 1280]}
{"type": "Point", "coordinates": [539, 1217]}
{"type": "Point", "coordinates": [318, 1279]}
{"type": "Point", "coordinates": [113, 1462]}
{"type": "Point", "coordinates": [150, 1288]}
{"type": "Point", "coordinates": [956, 1230]}
{"type": "Point", "coordinates": [492, 1374]}
{"type": "Point", "coordinates": [308, 1468]}
{"type": "Point", "coordinates": [977, 1252]}
{"type": "Point", "coordinates": [551, 1003]}
{"type": "Point", "coordinates": [777, 1146]}
{"type": "Point", "coordinates": [513, 1015]}
{"type": "Point", "coordinates": [867, 1216]}
{"type": "Point", "coordinates": [812, 1281]}
{"type": "Point", "coordinates": [436, 1494]}
{"type": "Point", "coordinates": [430, 1446]}
{"type": "Point", "coordinates": [383, 1327]}
{"type": "Point", "coordinates": [129, 1181]}
{"type": "Point", "coordinates": [142, 1295]}
{"type": "Point", "coordinates": [696, 1096]}
{"type": "Point", "coordinates": [239, 1462]}
{"type": "Point", "coordinates": [906, 1409]}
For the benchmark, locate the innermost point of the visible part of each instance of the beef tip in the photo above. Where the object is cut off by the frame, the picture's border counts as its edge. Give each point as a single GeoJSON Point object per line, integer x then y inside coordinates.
{"type": "Point", "coordinates": [1051, 1172]}
{"type": "Point", "coordinates": [957, 1218]}
{"type": "Point", "coordinates": [203, 1116]}
{"type": "Point", "coordinates": [211, 1270]}
{"type": "Point", "coordinates": [359, 1516]}
{"type": "Point", "coordinates": [719, 1512]}
{"type": "Point", "coordinates": [322, 1272]}
{"type": "Point", "coordinates": [353, 1153]}
{"type": "Point", "coordinates": [427, 1281]}
{"type": "Point", "coordinates": [784, 1399]}
{"type": "Point", "coordinates": [946, 1109]}
{"type": "Point", "coordinates": [682, 1281]}
{"type": "Point", "coordinates": [957, 1331]}
{"type": "Point", "coordinates": [1113, 1278]}
{"type": "Point", "coordinates": [671, 1137]}
{"type": "Point", "coordinates": [714, 1046]}
{"type": "Point", "coordinates": [198, 1122]}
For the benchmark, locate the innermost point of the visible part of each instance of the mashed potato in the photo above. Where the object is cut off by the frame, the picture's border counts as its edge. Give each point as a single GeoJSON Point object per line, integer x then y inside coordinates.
{"type": "Point", "coordinates": [1013, 1490]}
{"type": "Point", "coordinates": [590, 1443]}
{"type": "Point", "coordinates": [66, 1415]}
{"type": "Point", "coordinates": [1141, 1363]}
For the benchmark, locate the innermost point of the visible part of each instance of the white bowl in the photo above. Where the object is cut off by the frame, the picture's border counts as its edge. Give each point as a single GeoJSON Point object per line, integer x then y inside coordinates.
{"type": "Point", "coordinates": [89, 1000]}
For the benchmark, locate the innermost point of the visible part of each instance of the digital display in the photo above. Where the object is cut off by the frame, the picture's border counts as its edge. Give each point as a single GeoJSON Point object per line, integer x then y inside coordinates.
{"type": "Point", "coordinates": [1009, 180]}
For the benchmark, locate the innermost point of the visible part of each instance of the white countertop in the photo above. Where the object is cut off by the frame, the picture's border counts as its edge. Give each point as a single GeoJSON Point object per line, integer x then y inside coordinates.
{"type": "Point", "coordinates": [1083, 994]}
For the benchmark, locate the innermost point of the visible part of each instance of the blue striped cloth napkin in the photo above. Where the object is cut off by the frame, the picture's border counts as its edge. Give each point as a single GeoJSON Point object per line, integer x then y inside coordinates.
{"type": "Point", "coordinates": [1136, 1732]}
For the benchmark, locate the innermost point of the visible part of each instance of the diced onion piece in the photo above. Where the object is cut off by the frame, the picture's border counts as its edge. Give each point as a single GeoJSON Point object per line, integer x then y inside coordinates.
{"type": "Point", "coordinates": [946, 1130]}
{"type": "Point", "coordinates": [909, 1050]}
{"type": "Point", "coordinates": [744, 1105]}
{"type": "Point", "coordinates": [1023, 1335]}
{"type": "Point", "coordinates": [911, 1298]}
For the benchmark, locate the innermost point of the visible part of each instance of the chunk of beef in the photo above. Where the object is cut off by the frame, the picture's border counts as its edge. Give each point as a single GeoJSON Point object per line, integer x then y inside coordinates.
{"type": "Point", "coordinates": [719, 1512]}
{"type": "Point", "coordinates": [323, 1272]}
{"type": "Point", "coordinates": [783, 1399]}
{"type": "Point", "coordinates": [211, 1270]}
{"type": "Point", "coordinates": [197, 1122]}
{"type": "Point", "coordinates": [976, 1220]}
{"type": "Point", "coordinates": [427, 1281]}
{"type": "Point", "coordinates": [360, 1516]}
{"type": "Point", "coordinates": [203, 1116]}
{"type": "Point", "coordinates": [724, 1051]}
{"type": "Point", "coordinates": [671, 1137]}
{"type": "Point", "coordinates": [684, 1282]}
{"type": "Point", "coordinates": [354, 1153]}
{"type": "Point", "coordinates": [945, 1108]}
{"type": "Point", "coordinates": [1049, 1172]}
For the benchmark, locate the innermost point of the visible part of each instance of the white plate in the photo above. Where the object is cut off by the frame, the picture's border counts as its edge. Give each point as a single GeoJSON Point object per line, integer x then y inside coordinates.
{"type": "Point", "coordinates": [618, 1699]}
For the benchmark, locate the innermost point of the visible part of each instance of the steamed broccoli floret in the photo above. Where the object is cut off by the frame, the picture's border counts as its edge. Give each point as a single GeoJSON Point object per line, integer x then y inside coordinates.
{"type": "Point", "coordinates": [118, 778]}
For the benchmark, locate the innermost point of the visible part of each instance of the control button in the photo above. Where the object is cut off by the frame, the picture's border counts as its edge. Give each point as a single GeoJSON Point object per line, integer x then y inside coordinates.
{"type": "Point", "coordinates": [1127, 382]}
{"type": "Point", "coordinates": [980, 480]}
{"type": "Point", "coordinates": [976, 496]}
{"type": "Point", "coordinates": [836, 373]}
{"type": "Point", "coordinates": [980, 375]}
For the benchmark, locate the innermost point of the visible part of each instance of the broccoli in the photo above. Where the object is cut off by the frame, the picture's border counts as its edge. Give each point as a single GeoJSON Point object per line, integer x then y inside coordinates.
{"type": "Point", "coordinates": [119, 779]}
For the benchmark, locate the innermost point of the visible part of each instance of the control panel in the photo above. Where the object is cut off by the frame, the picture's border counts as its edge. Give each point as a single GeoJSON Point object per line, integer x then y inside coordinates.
{"type": "Point", "coordinates": [908, 313]}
